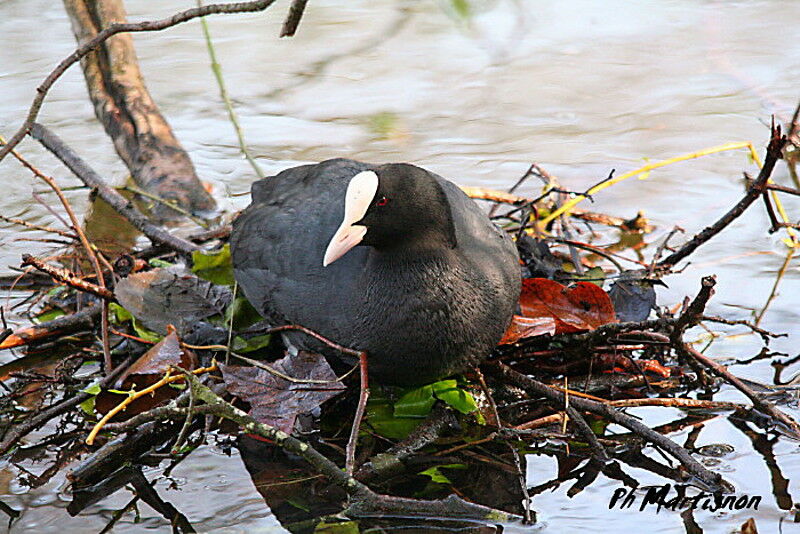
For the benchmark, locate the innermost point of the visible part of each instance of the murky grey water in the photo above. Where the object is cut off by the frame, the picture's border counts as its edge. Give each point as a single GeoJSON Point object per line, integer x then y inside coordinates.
{"type": "Point", "coordinates": [580, 87]}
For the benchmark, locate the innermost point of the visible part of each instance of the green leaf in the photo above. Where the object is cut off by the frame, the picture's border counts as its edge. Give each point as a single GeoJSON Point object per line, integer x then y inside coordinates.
{"type": "Point", "coordinates": [595, 275]}
{"type": "Point", "coordinates": [56, 291]}
{"type": "Point", "coordinates": [416, 403]}
{"type": "Point", "coordinates": [242, 313]}
{"type": "Point", "coordinates": [88, 405]}
{"type": "Point", "coordinates": [242, 345]}
{"type": "Point", "coordinates": [120, 315]}
{"type": "Point", "coordinates": [436, 474]}
{"type": "Point", "coordinates": [93, 389]}
{"type": "Point", "coordinates": [448, 392]}
{"type": "Point", "coordinates": [380, 416]}
{"type": "Point", "coordinates": [156, 262]}
{"type": "Point", "coordinates": [344, 527]}
{"type": "Point", "coordinates": [215, 266]}
{"type": "Point", "coordinates": [49, 315]}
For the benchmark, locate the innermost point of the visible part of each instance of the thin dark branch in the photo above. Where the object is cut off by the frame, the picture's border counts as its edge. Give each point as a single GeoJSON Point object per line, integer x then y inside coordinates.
{"type": "Point", "coordinates": [120, 204]}
{"type": "Point", "coordinates": [144, 26]}
{"type": "Point", "coordinates": [774, 148]}
{"type": "Point", "coordinates": [31, 423]}
{"type": "Point", "coordinates": [293, 18]}
{"type": "Point", "coordinates": [67, 277]}
{"type": "Point", "coordinates": [712, 480]}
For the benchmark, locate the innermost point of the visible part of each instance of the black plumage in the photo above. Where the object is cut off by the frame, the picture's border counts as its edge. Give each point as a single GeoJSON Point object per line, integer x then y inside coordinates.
{"type": "Point", "coordinates": [429, 290]}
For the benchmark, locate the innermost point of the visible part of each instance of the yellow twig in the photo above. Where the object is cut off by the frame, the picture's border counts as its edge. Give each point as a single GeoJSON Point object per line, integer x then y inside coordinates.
{"type": "Point", "coordinates": [168, 379]}
{"type": "Point", "coordinates": [567, 206]}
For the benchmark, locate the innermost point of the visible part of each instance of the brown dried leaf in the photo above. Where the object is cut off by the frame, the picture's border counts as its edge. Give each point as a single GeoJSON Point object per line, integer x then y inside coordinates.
{"type": "Point", "coordinates": [145, 371]}
{"type": "Point", "coordinates": [276, 401]}
{"type": "Point", "coordinates": [170, 296]}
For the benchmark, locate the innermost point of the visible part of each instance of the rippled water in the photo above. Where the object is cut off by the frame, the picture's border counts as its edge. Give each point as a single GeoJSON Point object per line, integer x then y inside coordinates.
{"type": "Point", "coordinates": [580, 87]}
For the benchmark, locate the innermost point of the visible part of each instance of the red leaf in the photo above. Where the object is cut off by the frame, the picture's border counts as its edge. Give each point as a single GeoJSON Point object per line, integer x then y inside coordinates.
{"type": "Point", "coordinates": [522, 326]}
{"type": "Point", "coordinates": [582, 307]}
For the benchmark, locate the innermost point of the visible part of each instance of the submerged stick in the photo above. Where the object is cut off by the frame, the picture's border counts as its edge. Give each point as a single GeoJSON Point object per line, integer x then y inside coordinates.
{"type": "Point", "coordinates": [59, 326]}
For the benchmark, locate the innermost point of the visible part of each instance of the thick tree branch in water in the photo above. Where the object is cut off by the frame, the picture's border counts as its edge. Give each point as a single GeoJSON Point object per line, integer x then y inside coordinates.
{"type": "Point", "coordinates": [144, 26]}
{"type": "Point", "coordinates": [123, 105]}
{"type": "Point", "coordinates": [120, 204]}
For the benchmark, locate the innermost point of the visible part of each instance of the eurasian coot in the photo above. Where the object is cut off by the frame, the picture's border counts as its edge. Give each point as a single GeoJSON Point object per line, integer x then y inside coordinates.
{"type": "Point", "coordinates": [389, 259]}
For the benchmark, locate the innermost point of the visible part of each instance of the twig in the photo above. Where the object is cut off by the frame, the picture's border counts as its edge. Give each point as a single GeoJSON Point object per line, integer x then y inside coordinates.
{"type": "Point", "coordinates": [776, 144]}
{"type": "Point", "coordinates": [144, 26]}
{"type": "Point", "coordinates": [363, 396]}
{"type": "Point", "coordinates": [293, 18]}
{"type": "Point", "coordinates": [168, 379]}
{"type": "Point", "coordinates": [272, 370]}
{"type": "Point", "coordinates": [67, 277]}
{"type": "Point", "coordinates": [89, 249]}
{"type": "Point", "coordinates": [765, 334]}
{"type": "Point", "coordinates": [31, 423]}
{"type": "Point", "coordinates": [59, 326]}
{"type": "Point", "coordinates": [637, 403]}
{"type": "Point", "coordinates": [759, 402]}
{"type": "Point", "coordinates": [694, 467]}
{"type": "Point", "coordinates": [49, 229]}
{"type": "Point", "coordinates": [216, 68]}
{"type": "Point", "coordinates": [171, 204]}
{"type": "Point", "coordinates": [120, 204]}
{"type": "Point", "coordinates": [283, 328]}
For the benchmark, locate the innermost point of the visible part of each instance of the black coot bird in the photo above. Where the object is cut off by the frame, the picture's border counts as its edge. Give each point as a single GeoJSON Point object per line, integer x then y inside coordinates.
{"type": "Point", "coordinates": [388, 259]}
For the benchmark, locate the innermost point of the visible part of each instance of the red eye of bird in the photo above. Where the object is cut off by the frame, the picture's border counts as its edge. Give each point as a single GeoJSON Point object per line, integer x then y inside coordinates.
{"type": "Point", "coordinates": [382, 201]}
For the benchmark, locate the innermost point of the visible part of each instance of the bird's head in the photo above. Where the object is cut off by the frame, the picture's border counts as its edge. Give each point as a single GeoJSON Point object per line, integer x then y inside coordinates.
{"type": "Point", "coordinates": [395, 206]}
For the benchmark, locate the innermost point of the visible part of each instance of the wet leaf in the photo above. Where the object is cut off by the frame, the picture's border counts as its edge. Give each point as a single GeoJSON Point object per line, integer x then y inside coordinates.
{"type": "Point", "coordinates": [277, 401]}
{"type": "Point", "coordinates": [539, 261]}
{"type": "Point", "coordinates": [436, 475]}
{"type": "Point", "coordinates": [120, 315]}
{"type": "Point", "coordinates": [633, 299]}
{"type": "Point", "coordinates": [174, 296]}
{"type": "Point", "coordinates": [250, 344]}
{"type": "Point", "coordinates": [88, 405]}
{"type": "Point", "coordinates": [522, 327]}
{"type": "Point", "coordinates": [448, 392]}
{"type": "Point", "coordinates": [415, 403]}
{"type": "Point", "coordinates": [215, 266]}
{"type": "Point", "coordinates": [344, 527]}
{"type": "Point", "coordinates": [48, 315]}
{"type": "Point", "coordinates": [595, 275]}
{"type": "Point", "coordinates": [582, 307]}
{"type": "Point", "coordinates": [242, 313]}
{"type": "Point", "coordinates": [381, 417]}
{"type": "Point", "coordinates": [147, 370]}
